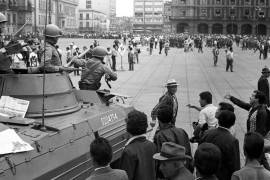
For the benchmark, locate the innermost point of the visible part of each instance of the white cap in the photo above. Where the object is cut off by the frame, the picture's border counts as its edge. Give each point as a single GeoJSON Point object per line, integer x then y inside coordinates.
{"type": "Point", "coordinates": [171, 82]}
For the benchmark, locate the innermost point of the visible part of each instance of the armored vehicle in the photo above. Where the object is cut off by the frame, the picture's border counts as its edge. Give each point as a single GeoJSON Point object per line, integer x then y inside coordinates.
{"type": "Point", "coordinates": [73, 118]}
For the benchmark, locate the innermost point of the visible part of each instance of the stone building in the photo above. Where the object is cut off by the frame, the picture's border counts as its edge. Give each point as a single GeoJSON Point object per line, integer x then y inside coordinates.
{"type": "Point", "coordinates": [91, 21]}
{"type": "Point", "coordinates": [148, 15]}
{"type": "Point", "coordinates": [221, 16]}
{"type": "Point", "coordinates": [59, 12]}
{"type": "Point", "coordinates": [18, 13]}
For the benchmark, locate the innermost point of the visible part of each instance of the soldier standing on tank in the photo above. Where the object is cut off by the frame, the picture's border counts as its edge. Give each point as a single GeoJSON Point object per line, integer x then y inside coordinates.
{"type": "Point", "coordinates": [50, 58]}
{"type": "Point", "coordinates": [5, 60]}
{"type": "Point", "coordinates": [94, 69]}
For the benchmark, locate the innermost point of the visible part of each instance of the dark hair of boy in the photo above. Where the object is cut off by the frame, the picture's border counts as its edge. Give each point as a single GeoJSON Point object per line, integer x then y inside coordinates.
{"type": "Point", "coordinates": [101, 151]}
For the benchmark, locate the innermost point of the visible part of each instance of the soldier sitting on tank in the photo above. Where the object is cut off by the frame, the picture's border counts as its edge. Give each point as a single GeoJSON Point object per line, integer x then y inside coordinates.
{"type": "Point", "coordinates": [5, 60]}
{"type": "Point", "coordinates": [50, 57]}
{"type": "Point", "coordinates": [94, 69]}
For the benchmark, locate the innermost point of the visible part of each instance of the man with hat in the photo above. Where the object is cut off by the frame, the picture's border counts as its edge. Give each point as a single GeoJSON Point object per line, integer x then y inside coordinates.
{"type": "Point", "coordinates": [168, 99]}
{"type": "Point", "coordinates": [172, 159]}
{"type": "Point", "coordinates": [94, 69]}
{"type": "Point", "coordinates": [263, 84]}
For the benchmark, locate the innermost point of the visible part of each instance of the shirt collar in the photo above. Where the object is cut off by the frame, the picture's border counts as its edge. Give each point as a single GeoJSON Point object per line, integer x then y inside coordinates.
{"type": "Point", "coordinates": [224, 128]}
{"type": "Point", "coordinates": [102, 167]}
{"type": "Point", "coordinates": [133, 138]}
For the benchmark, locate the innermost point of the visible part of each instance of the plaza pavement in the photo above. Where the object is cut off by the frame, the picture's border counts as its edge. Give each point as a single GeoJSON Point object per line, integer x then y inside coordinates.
{"type": "Point", "coordinates": [195, 73]}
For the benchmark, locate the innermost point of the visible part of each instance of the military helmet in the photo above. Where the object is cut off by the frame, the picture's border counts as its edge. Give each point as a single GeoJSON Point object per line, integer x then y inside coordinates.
{"type": "Point", "coordinates": [52, 31]}
{"type": "Point", "coordinates": [99, 51]}
{"type": "Point", "coordinates": [2, 18]}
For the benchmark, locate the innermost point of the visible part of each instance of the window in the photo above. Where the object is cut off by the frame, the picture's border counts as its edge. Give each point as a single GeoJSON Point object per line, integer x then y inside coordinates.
{"type": "Point", "coordinates": [262, 1]}
{"type": "Point", "coordinates": [81, 16]}
{"type": "Point", "coordinates": [139, 3]}
{"type": "Point", "coordinates": [233, 2]}
{"type": "Point", "coordinates": [261, 14]}
{"type": "Point", "coordinates": [87, 16]}
{"type": "Point", "coordinates": [87, 24]}
{"type": "Point", "coordinates": [247, 12]}
{"type": "Point", "coordinates": [232, 12]}
{"type": "Point", "coordinates": [218, 1]}
{"type": "Point", "coordinates": [182, 1]}
{"type": "Point", "coordinates": [247, 2]}
{"type": "Point", "coordinates": [88, 4]}
{"type": "Point", "coordinates": [9, 18]}
{"type": "Point", "coordinates": [218, 12]}
{"type": "Point", "coordinates": [81, 24]}
{"type": "Point", "coordinates": [203, 12]}
{"type": "Point", "coordinates": [14, 18]}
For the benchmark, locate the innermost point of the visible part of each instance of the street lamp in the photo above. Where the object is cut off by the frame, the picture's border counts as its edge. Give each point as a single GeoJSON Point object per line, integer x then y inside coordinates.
{"type": "Point", "coordinates": [232, 17]}
{"type": "Point", "coordinates": [257, 10]}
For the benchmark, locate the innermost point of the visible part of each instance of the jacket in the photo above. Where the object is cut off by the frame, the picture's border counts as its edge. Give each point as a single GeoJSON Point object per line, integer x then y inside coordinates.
{"type": "Point", "coordinates": [166, 99]}
{"type": "Point", "coordinates": [108, 174]}
{"type": "Point", "coordinates": [251, 172]}
{"type": "Point", "coordinates": [94, 70]}
{"type": "Point", "coordinates": [229, 147]}
{"type": "Point", "coordinates": [261, 116]}
{"type": "Point", "coordinates": [137, 159]}
{"type": "Point", "coordinates": [52, 59]}
{"type": "Point", "coordinates": [263, 86]}
{"type": "Point", "coordinates": [177, 135]}
{"type": "Point", "coordinates": [183, 174]}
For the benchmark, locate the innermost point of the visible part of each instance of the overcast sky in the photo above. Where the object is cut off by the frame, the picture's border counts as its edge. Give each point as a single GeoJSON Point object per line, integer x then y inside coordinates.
{"type": "Point", "coordinates": [124, 7]}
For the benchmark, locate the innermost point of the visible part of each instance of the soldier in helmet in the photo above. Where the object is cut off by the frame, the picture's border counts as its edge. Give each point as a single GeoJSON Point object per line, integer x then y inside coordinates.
{"type": "Point", "coordinates": [50, 58]}
{"type": "Point", "coordinates": [94, 69]}
{"type": "Point", "coordinates": [5, 60]}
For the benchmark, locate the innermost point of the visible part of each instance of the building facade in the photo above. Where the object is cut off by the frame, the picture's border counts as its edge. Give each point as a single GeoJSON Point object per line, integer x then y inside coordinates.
{"type": "Point", "coordinates": [108, 7]}
{"type": "Point", "coordinates": [148, 15]}
{"type": "Point", "coordinates": [221, 16]}
{"type": "Point", "coordinates": [18, 13]}
{"type": "Point", "coordinates": [59, 12]}
{"type": "Point", "coordinates": [123, 24]}
{"type": "Point", "coordinates": [92, 21]}
{"type": "Point", "coordinates": [167, 12]}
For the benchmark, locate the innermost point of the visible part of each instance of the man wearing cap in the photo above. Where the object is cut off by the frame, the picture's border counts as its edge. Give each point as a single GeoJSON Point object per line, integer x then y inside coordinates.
{"type": "Point", "coordinates": [172, 159]}
{"type": "Point", "coordinates": [263, 84]}
{"type": "Point", "coordinates": [168, 99]}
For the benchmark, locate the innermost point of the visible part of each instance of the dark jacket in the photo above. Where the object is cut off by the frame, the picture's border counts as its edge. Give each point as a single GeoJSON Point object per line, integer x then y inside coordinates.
{"type": "Point", "coordinates": [263, 86]}
{"type": "Point", "coordinates": [176, 135]}
{"type": "Point", "coordinates": [137, 159]}
{"type": "Point", "coordinates": [183, 174]}
{"type": "Point", "coordinates": [229, 147]}
{"type": "Point", "coordinates": [208, 178]}
{"type": "Point", "coordinates": [166, 99]}
{"type": "Point", "coordinates": [108, 174]}
{"type": "Point", "coordinates": [261, 117]}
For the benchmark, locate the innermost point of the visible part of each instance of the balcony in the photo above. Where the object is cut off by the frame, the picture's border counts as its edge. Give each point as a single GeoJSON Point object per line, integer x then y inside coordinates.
{"type": "Point", "coordinates": [19, 8]}
{"type": "Point", "coordinates": [175, 18]}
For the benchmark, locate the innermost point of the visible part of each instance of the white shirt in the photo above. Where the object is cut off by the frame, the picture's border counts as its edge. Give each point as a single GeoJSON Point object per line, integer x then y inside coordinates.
{"type": "Point", "coordinates": [207, 115]}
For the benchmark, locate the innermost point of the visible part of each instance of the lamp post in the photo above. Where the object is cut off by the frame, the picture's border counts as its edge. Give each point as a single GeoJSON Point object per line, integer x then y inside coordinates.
{"type": "Point", "coordinates": [232, 17]}
{"type": "Point", "coordinates": [257, 9]}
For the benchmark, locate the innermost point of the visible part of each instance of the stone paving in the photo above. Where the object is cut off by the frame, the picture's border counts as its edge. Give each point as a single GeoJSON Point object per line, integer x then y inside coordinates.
{"type": "Point", "coordinates": [195, 73]}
